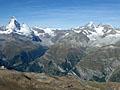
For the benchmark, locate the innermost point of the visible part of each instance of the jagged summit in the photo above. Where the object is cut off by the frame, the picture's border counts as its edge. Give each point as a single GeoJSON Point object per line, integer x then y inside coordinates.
{"type": "Point", "coordinates": [90, 24]}
{"type": "Point", "coordinates": [99, 33]}
{"type": "Point", "coordinates": [13, 25]}
{"type": "Point", "coordinates": [25, 30]}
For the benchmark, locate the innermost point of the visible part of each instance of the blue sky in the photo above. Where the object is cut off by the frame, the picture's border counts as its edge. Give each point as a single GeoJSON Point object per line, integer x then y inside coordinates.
{"type": "Point", "coordinates": [61, 13]}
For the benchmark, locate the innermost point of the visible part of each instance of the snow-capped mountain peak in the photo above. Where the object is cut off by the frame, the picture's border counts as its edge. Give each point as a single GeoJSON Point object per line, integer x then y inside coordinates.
{"type": "Point", "coordinates": [97, 31]}
{"type": "Point", "coordinates": [13, 25]}
{"type": "Point", "coordinates": [25, 30]}
{"type": "Point", "coordinates": [90, 25]}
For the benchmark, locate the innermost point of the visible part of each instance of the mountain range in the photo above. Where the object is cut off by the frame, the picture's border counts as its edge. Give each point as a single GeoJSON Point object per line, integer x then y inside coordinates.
{"type": "Point", "coordinates": [90, 52]}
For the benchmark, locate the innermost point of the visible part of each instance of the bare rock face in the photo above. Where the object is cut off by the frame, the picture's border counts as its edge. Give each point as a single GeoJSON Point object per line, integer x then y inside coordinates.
{"type": "Point", "coordinates": [100, 64]}
{"type": "Point", "coordinates": [17, 51]}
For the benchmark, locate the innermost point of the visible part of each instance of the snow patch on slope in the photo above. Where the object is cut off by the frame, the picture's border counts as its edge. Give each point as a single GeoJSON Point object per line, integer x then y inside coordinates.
{"type": "Point", "coordinates": [99, 30]}
{"type": "Point", "coordinates": [49, 31]}
{"type": "Point", "coordinates": [25, 30]}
